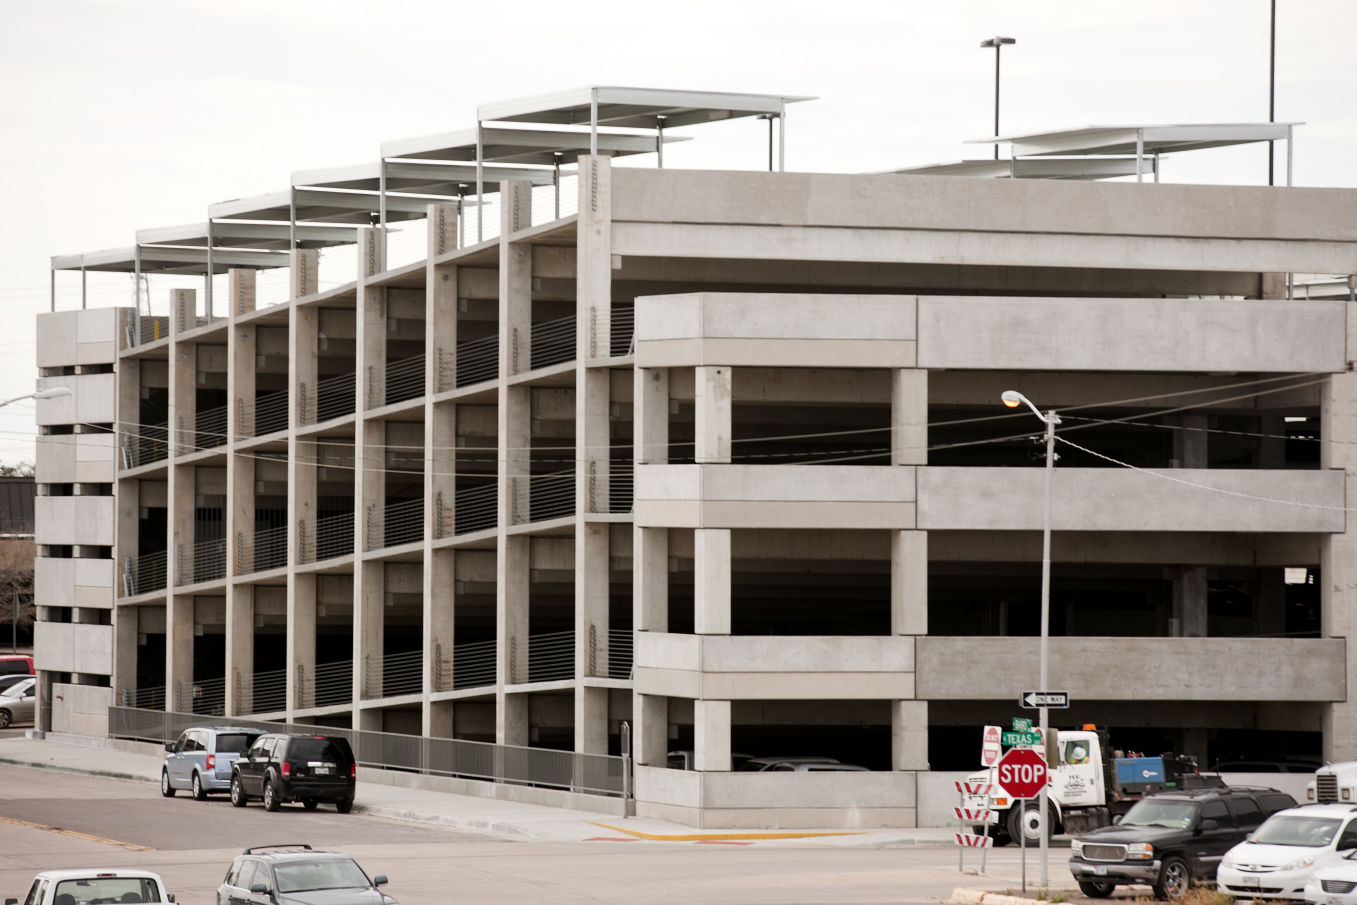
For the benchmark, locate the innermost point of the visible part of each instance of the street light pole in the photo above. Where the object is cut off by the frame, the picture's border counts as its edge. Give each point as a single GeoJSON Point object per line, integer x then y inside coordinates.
{"type": "Point", "coordinates": [997, 42]}
{"type": "Point", "coordinates": [1012, 399]}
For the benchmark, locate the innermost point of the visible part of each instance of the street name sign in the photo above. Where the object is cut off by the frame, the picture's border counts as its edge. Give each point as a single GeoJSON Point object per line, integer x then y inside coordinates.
{"type": "Point", "coordinates": [1027, 739]}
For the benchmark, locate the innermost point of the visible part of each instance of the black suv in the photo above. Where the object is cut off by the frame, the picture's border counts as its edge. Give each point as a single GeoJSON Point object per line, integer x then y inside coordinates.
{"type": "Point", "coordinates": [305, 768]}
{"type": "Point", "coordinates": [299, 875]}
{"type": "Point", "coordinates": [1170, 839]}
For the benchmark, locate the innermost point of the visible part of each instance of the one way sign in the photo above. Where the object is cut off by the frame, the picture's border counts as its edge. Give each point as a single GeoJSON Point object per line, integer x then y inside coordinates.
{"type": "Point", "coordinates": [1034, 699]}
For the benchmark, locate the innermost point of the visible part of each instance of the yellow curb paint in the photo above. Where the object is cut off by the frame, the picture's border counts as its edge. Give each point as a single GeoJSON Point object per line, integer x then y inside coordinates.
{"type": "Point", "coordinates": [74, 834]}
{"type": "Point", "coordinates": [703, 837]}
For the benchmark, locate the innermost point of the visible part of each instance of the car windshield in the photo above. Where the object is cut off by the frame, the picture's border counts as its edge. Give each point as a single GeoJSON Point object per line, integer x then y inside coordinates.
{"type": "Point", "coordinates": [1310, 832]}
{"type": "Point", "coordinates": [331, 873]}
{"type": "Point", "coordinates": [99, 890]}
{"type": "Point", "coordinates": [1149, 812]}
{"type": "Point", "coordinates": [234, 742]}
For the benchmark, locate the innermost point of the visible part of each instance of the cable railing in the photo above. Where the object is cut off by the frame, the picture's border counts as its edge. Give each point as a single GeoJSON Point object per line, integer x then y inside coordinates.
{"type": "Point", "coordinates": [270, 549]}
{"type": "Point", "coordinates": [266, 693]}
{"type": "Point", "coordinates": [553, 342]}
{"type": "Point", "coordinates": [334, 537]}
{"type": "Point", "coordinates": [621, 486]}
{"type": "Point", "coordinates": [335, 397]}
{"type": "Point", "coordinates": [145, 698]}
{"type": "Point", "coordinates": [272, 286]}
{"type": "Point", "coordinates": [403, 524]}
{"type": "Point", "coordinates": [270, 412]}
{"type": "Point", "coordinates": [150, 444]}
{"type": "Point", "coordinates": [407, 243]}
{"type": "Point", "coordinates": [209, 559]}
{"type": "Point", "coordinates": [153, 329]}
{"type": "Point", "coordinates": [551, 495]}
{"type": "Point", "coordinates": [590, 774]}
{"type": "Point", "coordinates": [331, 684]}
{"type": "Point", "coordinates": [476, 509]}
{"type": "Point", "coordinates": [404, 379]}
{"type": "Point", "coordinates": [149, 572]}
{"type": "Point", "coordinates": [551, 658]}
{"type": "Point", "coordinates": [210, 425]}
{"type": "Point", "coordinates": [394, 674]}
{"type": "Point", "coordinates": [477, 360]}
{"type": "Point", "coordinates": [621, 648]}
{"type": "Point", "coordinates": [338, 265]}
{"type": "Point", "coordinates": [203, 696]}
{"type": "Point", "coordinates": [473, 664]}
{"type": "Point", "coordinates": [623, 331]}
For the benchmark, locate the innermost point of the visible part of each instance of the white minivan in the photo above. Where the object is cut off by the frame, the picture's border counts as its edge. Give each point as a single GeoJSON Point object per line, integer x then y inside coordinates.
{"type": "Point", "coordinates": [1275, 861]}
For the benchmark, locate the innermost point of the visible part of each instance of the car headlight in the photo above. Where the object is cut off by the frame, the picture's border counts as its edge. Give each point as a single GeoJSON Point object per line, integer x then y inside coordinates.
{"type": "Point", "coordinates": [1307, 861]}
{"type": "Point", "coordinates": [1076, 848]}
{"type": "Point", "coordinates": [1140, 851]}
{"type": "Point", "coordinates": [1228, 859]}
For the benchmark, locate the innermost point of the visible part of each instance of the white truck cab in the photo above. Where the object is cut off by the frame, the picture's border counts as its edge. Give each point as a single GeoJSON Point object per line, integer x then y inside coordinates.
{"type": "Point", "coordinates": [1333, 782]}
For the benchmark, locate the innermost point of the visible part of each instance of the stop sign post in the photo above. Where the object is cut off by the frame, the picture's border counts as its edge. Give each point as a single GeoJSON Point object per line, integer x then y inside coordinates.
{"type": "Point", "coordinates": [1022, 773]}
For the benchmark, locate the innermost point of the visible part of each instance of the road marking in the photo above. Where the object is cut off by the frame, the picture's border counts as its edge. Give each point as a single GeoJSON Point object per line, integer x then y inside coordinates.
{"type": "Point", "coordinates": [76, 834]}
{"type": "Point", "coordinates": [711, 837]}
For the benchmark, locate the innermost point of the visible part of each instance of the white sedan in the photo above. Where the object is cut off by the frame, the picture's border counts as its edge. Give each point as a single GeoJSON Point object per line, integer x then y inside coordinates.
{"type": "Point", "coordinates": [1336, 885]}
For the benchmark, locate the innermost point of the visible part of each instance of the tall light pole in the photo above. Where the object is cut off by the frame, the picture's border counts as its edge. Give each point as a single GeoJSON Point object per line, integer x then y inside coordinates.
{"type": "Point", "coordinates": [1272, 85]}
{"type": "Point", "coordinates": [1013, 399]}
{"type": "Point", "coordinates": [997, 42]}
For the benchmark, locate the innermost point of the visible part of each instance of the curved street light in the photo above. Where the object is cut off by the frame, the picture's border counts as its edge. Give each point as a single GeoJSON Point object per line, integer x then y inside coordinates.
{"type": "Point", "coordinates": [49, 393]}
{"type": "Point", "coordinates": [1013, 399]}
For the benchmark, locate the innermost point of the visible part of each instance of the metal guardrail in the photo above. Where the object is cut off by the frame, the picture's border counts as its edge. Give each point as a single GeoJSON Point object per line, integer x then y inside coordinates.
{"type": "Point", "coordinates": [210, 428]}
{"type": "Point", "coordinates": [551, 495]}
{"type": "Point", "coordinates": [330, 684]}
{"type": "Point", "coordinates": [334, 537]}
{"type": "Point", "coordinates": [270, 549]}
{"type": "Point", "coordinates": [473, 664]}
{"type": "Point", "coordinates": [551, 658]}
{"type": "Point", "coordinates": [553, 342]}
{"type": "Point", "coordinates": [395, 674]}
{"type": "Point", "coordinates": [621, 485]}
{"type": "Point", "coordinates": [477, 360]}
{"type": "Point", "coordinates": [270, 412]}
{"type": "Point", "coordinates": [621, 651]}
{"type": "Point", "coordinates": [267, 693]}
{"type": "Point", "coordinates": [623, 337]}
{"type": "Point", "coordinates": [593, 774]}
{"type": "Point", "coordinates": [209, 560]}
{"type": "Point", "coordinates": [476, 508]}
{"type": "Point", "coordinates": [149, 572]}
{"type": "Point", "coordinates": [403, 523]}
{"type": "Point", "coordinates": [335, 397]}
{"type": "Point", "coordinates": [153, 329]}
{"type": "Point", "coordinates": [201, 696]}
{"type": "Point", "coordinates": [150, 444]}
{"type": "Point", "coordinates": [404, 379]}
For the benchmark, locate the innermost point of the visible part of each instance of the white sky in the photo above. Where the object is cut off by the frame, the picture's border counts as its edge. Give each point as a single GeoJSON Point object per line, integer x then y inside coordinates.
{"type": "Point", "coordinates": [119, 116]}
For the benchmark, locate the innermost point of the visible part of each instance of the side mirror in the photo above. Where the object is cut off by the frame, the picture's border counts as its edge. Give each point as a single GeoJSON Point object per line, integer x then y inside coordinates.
{"type": "Point", "coordinates": [11, 902]}
{"type": "Point", "coordinates": [169, 746]}
{"type": "Point", "coordinates": [169, 897]}
{"type": "Point", "coordinates": [379, 880]}
{"type": "Point", "coordinates": [1116, 819]}
{"type": "Point", "coordinates": [1207, 825]}
{"type": "Point", "coordinates": [259, 888]}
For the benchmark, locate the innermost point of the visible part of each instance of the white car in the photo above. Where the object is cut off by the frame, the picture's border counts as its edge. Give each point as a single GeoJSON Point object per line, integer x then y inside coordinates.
{"type": "Point", "coordinates": [1334, 885]}
{"type": "Point", "coordinates": [91, 886]}
{"type": "Point", "coordinates": [1277, 859]}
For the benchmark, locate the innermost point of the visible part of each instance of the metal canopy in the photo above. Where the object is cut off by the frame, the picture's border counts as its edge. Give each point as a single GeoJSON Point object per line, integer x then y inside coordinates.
{"type": "Point", "coordinates": [1147, 139]}
{"type": "Point", "coordinates": [1029, 168]}
{"type": "Point", "coordinates": [320, 206]}
{"type": "Point", "coordinates": [154, 259]}
{"type": "Point", "coordinates": [537, 147]}
{"type": "Point", "coordinates": [227, 234]}
{"type": "Point", "coordinates": [634, 107]}
{"type": "Point", "coordinates": [448, 180]}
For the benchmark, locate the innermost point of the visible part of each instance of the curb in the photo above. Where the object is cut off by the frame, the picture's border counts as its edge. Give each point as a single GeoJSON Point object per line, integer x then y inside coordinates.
{"type": "Point", "coordinates": [63, 768]}
{"type": "Point", "coordinates": [963, 896]}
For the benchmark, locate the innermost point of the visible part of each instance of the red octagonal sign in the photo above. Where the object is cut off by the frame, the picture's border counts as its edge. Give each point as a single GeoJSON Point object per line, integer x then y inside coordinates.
{"type": "Point", "coordinates": [1022, 773]}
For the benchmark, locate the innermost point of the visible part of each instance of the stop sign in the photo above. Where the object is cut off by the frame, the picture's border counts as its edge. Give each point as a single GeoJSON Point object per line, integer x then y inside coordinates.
{"type": "Point", "coordinates": [990, 747]}
{"type": "Point", "coordinates": [1022, 773]}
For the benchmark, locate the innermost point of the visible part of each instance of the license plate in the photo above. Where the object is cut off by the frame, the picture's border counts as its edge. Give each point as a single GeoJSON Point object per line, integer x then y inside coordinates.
{"type": "Point", "coordinates": [323, 771]}
{"type": "Point", "coordinates": [1251, 881]}
{"type": "Point", "coordinates": [1100, 870]}
{"type": "Point", "coordinates": [1333, 900]}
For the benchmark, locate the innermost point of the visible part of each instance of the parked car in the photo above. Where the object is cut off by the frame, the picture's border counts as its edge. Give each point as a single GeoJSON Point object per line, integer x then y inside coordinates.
{"type": "Point", "coordinates": [17, 702]}
{"type": "Point", "coordinates": [89, 886]}
{"type": "Point", "coordinates": [1169, 840]}
{"type": "Point", "coordinates": [20, 664]}
{"type": "Point", "coordinates": [763, 764]}
{"type": "Point", "coordinates": [684, 760]}
{"type": "Point", "coordinates": [299, 875]}
{"type": "Point", "coordinates": [200, 759]}
{"type": "Point", "coordinates": [1335, 884]}
{"type": "Point", "coordinates": [816, 768]}
{"type": "Point", "coordinates": [1275, 862]}
{"type": "Point", "coordinates": [1267, 766]}
{"type": "Point", "coordinates": [307, 768]}
{"type": "Point", "coordinates": [9, 681]}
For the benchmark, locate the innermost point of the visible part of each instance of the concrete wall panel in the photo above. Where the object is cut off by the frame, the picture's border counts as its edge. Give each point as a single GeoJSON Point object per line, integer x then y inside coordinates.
{"type": "Point", "coordinates": [71, 647]}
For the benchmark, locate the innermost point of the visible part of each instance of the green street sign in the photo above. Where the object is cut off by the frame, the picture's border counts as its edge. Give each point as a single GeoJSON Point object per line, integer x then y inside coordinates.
{"type": "Point", "coordinates": [1022, 724]}
{"type": "Point", "coordinates": [1026, 739]}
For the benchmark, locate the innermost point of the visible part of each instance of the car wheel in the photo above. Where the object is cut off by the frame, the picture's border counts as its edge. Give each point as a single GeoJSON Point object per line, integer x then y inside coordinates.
{"type": "Point", "coordinates": [199, 794]}
{"type": "Point", "coordinates": [344, 805]}
{"type": "Point", "coordinates": [1025, 821]}
{"type": "Point", "coordinates": [5, 718]}
{"type": "Point", "coordinates": [1174, 879]}
{"type": "Point", "coordinates": [165, 788]}
{"type": "Point", "coordinates": [238, 796]}
{"type": "Point", "coordinates": [309, 803]}
{"type": "Point", "coordinates": [270, 796]}
{"type": "Point", "coordinates": [1096, 890]}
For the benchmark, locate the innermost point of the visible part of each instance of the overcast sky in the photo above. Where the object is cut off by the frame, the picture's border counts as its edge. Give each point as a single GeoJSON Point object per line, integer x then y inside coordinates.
{"type": "Point", "coordinates": [119, 116]}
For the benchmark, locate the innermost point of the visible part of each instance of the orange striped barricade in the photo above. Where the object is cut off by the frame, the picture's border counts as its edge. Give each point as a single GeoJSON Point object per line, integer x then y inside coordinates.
{"type": "Point", "coordinates": [969, 817]}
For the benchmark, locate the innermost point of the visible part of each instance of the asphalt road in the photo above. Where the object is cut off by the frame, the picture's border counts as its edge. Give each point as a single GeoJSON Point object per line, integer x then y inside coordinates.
{"type": "Point", "coordinates": [52, 820]}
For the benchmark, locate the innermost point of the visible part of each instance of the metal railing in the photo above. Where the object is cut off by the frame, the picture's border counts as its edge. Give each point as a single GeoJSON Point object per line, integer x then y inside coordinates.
{"type": "Point", "coordinates": [209, 559]}
{"type": "Point", "coordinates": [210, 428]}
{"type": "Point", "coordinates": [270, 549]}
{"type": "Point", "coordinates": [270, 412]}
{"type": "Point", "coordinates": [477, 360]}
{"type": "Point", "coordinates": [267, 693]}
{"type": "Point", "coordinates": [476, 508]}
{"type": "Point", "coordinates": [591, 774]}
{"type": "Point", "coordinates": [551, 658]}
{"type": "Point", "coordinates": [623, 337]}
{"type": "Point", "coordinates": [148, 698]}
{"type": "Point", "coordinates": [404, 379]}
{"type": "Point", "coordinates": [334, 537]}
{"type": "Point", "coordinates": [621, 650]}
{"type": "Point", "coordinates": [330, 684]}
{"type": "Point", "coordinates": [149, 572]}
{"type": "Point", "coordinates": [621, 485]}
{"type": "Point", "coordinates": [335, 397]}
{"type": "Point", "coordinates": [150, 444]}
{"type": "Point", "coordinates": [553, 342]}
{"type": "Point", "coordinates": [392, 675]}
{"type": "Point", "coordinates": [153, 329]}
{"type": "Point", "coordinates": [551, 495]}
{"type": "Point", "coordinates": [403, 524]}
{"type": "Point", "coordinates": [473, 664]}
{"type": "Point", "coordinates": [202, 696]}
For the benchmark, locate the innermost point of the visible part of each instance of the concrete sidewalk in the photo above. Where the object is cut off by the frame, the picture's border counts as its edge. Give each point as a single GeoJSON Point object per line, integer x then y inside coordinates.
{"type": "Point", "coordinates": [504, 819]}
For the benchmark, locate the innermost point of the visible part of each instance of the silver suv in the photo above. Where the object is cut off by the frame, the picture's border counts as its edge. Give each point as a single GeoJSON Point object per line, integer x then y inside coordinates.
{"type": "Point", "coordinates": [200, 759]}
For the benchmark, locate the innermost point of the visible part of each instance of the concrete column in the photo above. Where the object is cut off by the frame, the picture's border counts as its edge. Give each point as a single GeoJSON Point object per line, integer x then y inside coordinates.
{"type": "Point", "coordinates": [305, 272]}
{"type": "Point", "coordinates": [178, 648]}
{"type": "Point", "coordinates": [440, 477]}
{"type": "Point", "coordinates": [370, 251]}
{"type": "Point", "coordinates": [242, 284]}
{"type": "Point", "coordinates": [126, 627]}
{"type": "Point", "coordinates": [1189, 443]}
{"type": "Point", "coordinates": [711, 735]}
{"type": "Point", "coordinates": [240, 472]}
{"type": "Point", "coordinates": [371, 346]}
{"type": "Point", "coordinates": [909, 417]}
{"type": "Point", "coordinates": [650, 729]}
{"type": "Point", "coordinates": [183, 310]}
{"type": "Point", "coordinates": [909, 582]}
{"type": "Point", "coordinates": [594, 259]}
{"type": "Point", "coordinates": [515, 306]}
{"type": "Point", "coordinates": [909, 735]}
{"type": "Point", "coordinates": [301, 500]}
{"type": "Point", "coordinates": [650, 579]}
{"type": "Point", "coordinates": [712, 411]}
{"type": "Point", "coordinates": [239, 649]}
{"type": "Point", "coordinates": [369, 603]}
{"type": "Point", "coordinates": [650, 413]}
{"type": "Point", "coordinates": [440, 580]}
{"type": "Point", "coordinates": [304, 373]}
{"type": "Point", "coordinates": [301, 639]}
{"type": "Point", "coordinates": [440, 330]}
{"type": "Point", "coordinates": [1338, 552]}
{"type": "Point", "coordinates": [711, 582]}
{"type": "Point", "coordinates": [1189, 601]}
{"type": "Point", "coordinates": [180, 500]}
{"type": "Point", "coordinates": [515, 438]}
{"type": "Point", "coordinates": [591, 635]}
{"type": "Point", "coordinates": [242, 353]}
{"type": "Point", "coordinates": [593, 439]}
{"type": "Point", "coordinates": [511, 590]}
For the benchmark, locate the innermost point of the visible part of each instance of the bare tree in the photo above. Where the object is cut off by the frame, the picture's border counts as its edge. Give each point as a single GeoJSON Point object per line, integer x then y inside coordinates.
{"type": "Point", "coordinates": [16, 580]}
